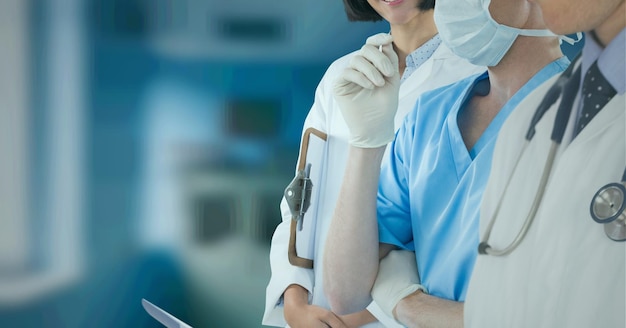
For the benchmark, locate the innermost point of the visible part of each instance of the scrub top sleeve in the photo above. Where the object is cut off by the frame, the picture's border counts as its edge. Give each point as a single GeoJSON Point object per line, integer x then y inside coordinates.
{"type": "Point", "coordinates": [393, 206]}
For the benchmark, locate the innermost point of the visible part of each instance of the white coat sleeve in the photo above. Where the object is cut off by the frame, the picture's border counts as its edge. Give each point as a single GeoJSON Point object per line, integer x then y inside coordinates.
{"type": "Point", "coordinates": [283, 274]}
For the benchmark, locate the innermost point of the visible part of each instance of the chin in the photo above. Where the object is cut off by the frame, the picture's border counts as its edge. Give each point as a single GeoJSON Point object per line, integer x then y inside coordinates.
{"type": "Point", "coordinates": [560, 25]}
{"type": "Point", "coordinates": [566, 27]}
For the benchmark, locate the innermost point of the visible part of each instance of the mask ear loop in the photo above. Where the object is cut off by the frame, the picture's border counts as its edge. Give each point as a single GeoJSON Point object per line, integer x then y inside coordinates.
{"type": "Point", "coordinates": [571, 41]}
{"type": "Point", "coordinates": [532, 32]}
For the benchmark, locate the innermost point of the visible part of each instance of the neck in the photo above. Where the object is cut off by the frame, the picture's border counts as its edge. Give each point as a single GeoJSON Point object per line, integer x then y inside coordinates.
{"type": "Point", "coordinates": [608, 30]}
{"type": "Point", "coordinates": [527, 56]}
{"type": "Point", "coordinates": [412, 35]}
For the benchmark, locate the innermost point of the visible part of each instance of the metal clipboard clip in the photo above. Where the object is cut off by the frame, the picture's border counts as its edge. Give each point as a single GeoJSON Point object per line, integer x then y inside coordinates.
{"type": "Point", "coordinates": [298, 195]}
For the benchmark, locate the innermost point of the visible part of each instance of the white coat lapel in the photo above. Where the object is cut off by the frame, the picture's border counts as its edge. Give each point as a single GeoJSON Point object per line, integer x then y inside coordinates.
{"type": "Point", "coordinates": [427, 71]}
{"type": "Point", "coordinates": [417, 78]}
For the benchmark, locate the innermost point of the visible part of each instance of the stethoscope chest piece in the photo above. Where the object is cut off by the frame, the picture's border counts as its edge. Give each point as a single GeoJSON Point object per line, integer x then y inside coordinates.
{"type": "Point", "coordinates": [608, 207]}
{"type": "Point", "coordinates": [616, 230]}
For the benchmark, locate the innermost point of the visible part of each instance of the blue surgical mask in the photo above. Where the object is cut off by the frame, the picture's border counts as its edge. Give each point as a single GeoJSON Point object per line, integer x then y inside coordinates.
{"type": "Point", "coordinates": [467, 28]}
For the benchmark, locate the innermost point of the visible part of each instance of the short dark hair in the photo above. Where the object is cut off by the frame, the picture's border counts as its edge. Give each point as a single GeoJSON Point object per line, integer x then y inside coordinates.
{"type": "Point", "coordinates": [360, 10]}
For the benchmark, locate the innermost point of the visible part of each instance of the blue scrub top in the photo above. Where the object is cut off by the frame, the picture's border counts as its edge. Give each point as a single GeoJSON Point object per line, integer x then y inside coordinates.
{"type": "Point", "coordinates": [431, 186]}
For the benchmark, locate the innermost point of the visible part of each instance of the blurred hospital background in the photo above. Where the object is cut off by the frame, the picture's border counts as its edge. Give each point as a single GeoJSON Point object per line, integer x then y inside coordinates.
{"type": "Point", "coordinates": [144, 149]}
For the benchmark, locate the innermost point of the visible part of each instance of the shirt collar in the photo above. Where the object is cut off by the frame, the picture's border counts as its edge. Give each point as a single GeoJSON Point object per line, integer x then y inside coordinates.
{"type": "Point", "coordinates": [610, 59]}
{"type": "Point", "coordinates": [420, 55]}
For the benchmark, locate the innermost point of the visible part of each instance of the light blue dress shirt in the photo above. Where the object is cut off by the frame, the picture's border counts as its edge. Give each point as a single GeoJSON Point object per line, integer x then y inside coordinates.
{"type": "Point", "coordinates": [431, 186]}
{"type": "Point", "coordinates": [610, 59]}
{"type": "Point", "coordinates": [419, 56]}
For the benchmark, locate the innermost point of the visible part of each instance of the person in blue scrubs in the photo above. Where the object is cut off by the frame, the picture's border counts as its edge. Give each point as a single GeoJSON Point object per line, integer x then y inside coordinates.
{"type": "Point", "coordinates": [426, 197]}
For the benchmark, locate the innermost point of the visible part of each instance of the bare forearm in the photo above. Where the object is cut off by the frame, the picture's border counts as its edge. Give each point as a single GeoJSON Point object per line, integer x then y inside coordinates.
{"type": "Point", "coordinates": [427, 311]}
{"type": "Point", "coordinates": [351, 251]}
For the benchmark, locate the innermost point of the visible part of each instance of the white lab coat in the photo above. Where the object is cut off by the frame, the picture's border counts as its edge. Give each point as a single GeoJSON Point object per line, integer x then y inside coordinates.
{"type": "Point", "coordinates": [566, 272]}
{"type": "Point", "coordinates": [441, 69]}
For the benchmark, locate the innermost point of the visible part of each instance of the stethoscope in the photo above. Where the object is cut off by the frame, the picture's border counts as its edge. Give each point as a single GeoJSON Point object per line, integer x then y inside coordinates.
{"type": "Point", "coordinates": [607, 205]}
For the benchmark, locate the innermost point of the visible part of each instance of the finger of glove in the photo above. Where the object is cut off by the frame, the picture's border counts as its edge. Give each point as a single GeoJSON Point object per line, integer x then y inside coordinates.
{"type": "Point", "coordinates": [367, 68]}
{"type": "Point", "coordinates": [392, 56]}
{"type": "Point", "coordinates": [379, 39]}
{"type": "Point", "coordinates": [351, 82]}
{"type": "Point", "coordinates": [384, 42]}
{"type": "Point", "coordinates": [380, 59]}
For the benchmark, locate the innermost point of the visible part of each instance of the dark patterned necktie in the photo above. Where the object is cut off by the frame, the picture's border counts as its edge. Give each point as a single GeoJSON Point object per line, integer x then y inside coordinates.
{"type": "Point", "coordinates": [596, 93]}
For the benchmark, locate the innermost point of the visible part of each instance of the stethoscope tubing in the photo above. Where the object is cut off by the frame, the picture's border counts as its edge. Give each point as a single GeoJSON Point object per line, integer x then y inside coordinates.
{"type": "Point", "coordinates": [531, 214]}
{"type": "Point", "coordinates": [566, 87]}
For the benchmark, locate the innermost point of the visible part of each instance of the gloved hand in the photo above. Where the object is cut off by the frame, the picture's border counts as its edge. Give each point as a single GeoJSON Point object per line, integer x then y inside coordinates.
{"type": "Point", "coordinates": [397, 278]}
{"type": "Point", "coordinates": [367, 93]}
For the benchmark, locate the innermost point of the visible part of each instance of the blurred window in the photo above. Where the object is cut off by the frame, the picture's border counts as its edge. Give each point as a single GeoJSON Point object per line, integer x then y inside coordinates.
{"type": "Point", "coordinates": [41, 140]}
{"type": "Point", "coordinates": [14, 96]}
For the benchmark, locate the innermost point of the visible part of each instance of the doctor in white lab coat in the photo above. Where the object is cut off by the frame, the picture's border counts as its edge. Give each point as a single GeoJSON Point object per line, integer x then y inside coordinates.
{"type": "Point", "coordinates": [441, 67]}
{"type": "Point", "coordinates": [566, 272]}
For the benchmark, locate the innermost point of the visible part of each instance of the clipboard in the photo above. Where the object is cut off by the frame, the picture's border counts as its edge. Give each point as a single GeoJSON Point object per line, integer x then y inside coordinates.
{"type": "Point", "coordinates": [302, 196]}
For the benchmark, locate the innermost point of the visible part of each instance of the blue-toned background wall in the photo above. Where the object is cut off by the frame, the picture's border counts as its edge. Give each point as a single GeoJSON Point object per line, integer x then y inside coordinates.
{"type": "Point", "coordinates": [161, 135]}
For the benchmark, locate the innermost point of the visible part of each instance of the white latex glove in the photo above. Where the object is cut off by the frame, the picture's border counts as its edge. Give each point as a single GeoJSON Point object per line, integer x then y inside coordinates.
{"type": "Point", "coordinates": [367, 93]}
{"type": "Point", "coordinates": [397, 278]}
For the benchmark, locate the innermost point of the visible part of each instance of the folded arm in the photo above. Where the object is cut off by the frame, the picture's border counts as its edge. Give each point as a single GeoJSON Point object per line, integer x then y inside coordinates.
{"type": "Point", "coordinates": [352, 249]}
